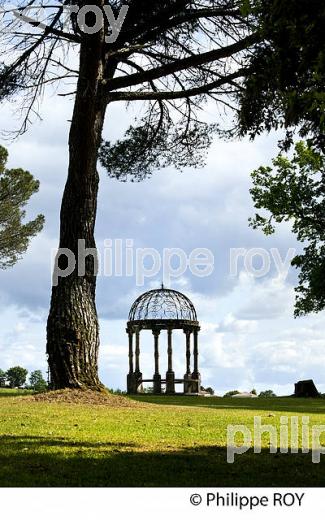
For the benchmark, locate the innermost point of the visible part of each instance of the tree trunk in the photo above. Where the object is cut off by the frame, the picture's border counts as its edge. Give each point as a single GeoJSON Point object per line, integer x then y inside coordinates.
{"type": "Point", "coordinates": [72, 328]}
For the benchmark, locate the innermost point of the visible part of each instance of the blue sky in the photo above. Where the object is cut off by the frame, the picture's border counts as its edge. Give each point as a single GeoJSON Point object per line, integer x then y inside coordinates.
{"type": "Point", "coordinates": [249, 337]}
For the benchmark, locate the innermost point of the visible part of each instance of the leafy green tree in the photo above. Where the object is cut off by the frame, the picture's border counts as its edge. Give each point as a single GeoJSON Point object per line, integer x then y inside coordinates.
{"type": "Point", "coordinates": [267, 394]}
{"type": "Point", "coordinates": [37, 382]}
{"type": "Point", "coordinates": [293, 191]}
{"type": "Point", "coordinates": [253, 391]}
{"type": "Point", "coordinates": [16, 376]}
{"type": "Point", "coordinates": [3, 378]}
{"type": "Point", "coordinates": [285, 84]}
{"type": "Point", "coordinates": [285, 89]}
{"type": "Point", "coordinates": [16, 188]}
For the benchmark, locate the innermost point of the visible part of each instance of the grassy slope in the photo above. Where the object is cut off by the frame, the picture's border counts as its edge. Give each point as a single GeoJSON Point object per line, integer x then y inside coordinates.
{"type": "Point", "coordinates": [179, 442]}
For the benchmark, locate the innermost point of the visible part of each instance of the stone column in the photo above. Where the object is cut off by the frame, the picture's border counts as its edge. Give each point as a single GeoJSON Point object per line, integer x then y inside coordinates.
{"type": "Point", "coordinates": [170, 375]}
{"type": "Point", "coordinates": [131, 378]}
{"type": "Point", "coordinates": [196, 352]}
{"type": "Point", "coordinates": [188, 375]}
{"type": "Point", "coordinates": [170, 350]}
{"type": "Point", "coordinates": [137, 373]}
{"type": "Point", "coordinates": [137, 350]}
{"type": "Point", "coordinates": [196, 387]}
{"type": "Point", "coordinates": [157, 376]}
{"type": "Point", "coordinates": [188, 352]}
{"type": "Point", "coordinates": [130, 334]}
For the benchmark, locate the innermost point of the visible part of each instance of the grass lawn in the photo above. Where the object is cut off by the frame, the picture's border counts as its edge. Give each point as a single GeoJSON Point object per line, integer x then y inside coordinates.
{"type": "Point", "coordinates": [12, 392]}
{"type": "Point", "coordinates": [173, 441]}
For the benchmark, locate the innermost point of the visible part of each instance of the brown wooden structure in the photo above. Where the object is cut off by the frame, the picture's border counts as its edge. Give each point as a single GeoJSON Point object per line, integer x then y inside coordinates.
{"type": "Point", "coordinates": [163, 310]}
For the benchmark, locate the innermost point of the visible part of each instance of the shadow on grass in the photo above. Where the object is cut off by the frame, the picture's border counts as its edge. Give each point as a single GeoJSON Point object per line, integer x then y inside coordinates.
{"type": "Point", "coordinates": [23, 463]}
{"type": "Point", "coordinates": [278, 404]}
{"type": "Point", "coordinates": [30, 441]}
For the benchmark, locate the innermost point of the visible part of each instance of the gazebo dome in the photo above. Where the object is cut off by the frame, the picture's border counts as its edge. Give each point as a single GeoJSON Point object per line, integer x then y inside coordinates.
{"type": "Point", "coordinates": [162, 304]}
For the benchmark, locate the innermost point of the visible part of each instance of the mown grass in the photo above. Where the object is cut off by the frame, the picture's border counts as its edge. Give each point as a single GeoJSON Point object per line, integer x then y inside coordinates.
{"type": "Point", "coordinates": [13, 392]}
{"type": "Point", "coordinates": [174, 441]}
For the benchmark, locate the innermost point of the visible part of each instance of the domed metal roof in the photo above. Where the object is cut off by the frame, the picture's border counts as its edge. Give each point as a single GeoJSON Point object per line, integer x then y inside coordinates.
{"type": "Point", "coordinates": [162, 304]}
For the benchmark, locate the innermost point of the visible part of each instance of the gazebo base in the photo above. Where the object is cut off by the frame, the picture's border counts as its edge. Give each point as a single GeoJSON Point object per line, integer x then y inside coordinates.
{"type": "Point", "coordinates": [192, 386]}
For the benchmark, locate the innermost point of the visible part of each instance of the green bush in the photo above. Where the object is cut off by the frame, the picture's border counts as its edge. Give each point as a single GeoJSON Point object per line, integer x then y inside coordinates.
{"type": "Point", "coordinates": [267, 393]}
{"type": "Point", "coordinates": [231, 393]}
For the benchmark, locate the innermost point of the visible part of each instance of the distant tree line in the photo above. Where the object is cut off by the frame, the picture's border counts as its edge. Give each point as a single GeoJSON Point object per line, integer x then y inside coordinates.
{"type": "Point", "coordinates": [16, 377]}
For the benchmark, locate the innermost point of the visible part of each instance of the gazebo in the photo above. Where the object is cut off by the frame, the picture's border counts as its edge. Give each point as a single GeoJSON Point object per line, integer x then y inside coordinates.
{"type": "Point", "coordinates": [163, 310]}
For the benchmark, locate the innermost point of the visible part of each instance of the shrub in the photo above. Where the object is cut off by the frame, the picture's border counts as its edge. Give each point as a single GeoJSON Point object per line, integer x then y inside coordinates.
{"type": "Point", "coordinates": [231, 393]}
{"type": "Point", "coordinates": [267, 393]}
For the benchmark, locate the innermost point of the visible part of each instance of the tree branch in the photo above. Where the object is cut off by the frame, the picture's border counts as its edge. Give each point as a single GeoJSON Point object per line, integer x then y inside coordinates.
{"type": "Point", "coordinates": [179, 65]}
{"type": "Point", "coordinates": [190, 16]}
{"type": "Point", "coordinates": [179, 94]}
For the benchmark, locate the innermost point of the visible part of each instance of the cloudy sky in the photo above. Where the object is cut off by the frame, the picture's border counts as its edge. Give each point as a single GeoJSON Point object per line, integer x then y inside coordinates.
{"type": "Point", "coordinates": [249, 337]}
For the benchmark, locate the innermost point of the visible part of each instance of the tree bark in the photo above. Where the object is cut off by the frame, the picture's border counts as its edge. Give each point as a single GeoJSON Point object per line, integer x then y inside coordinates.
{"type": "Point", "coordinates": [72, 328]}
